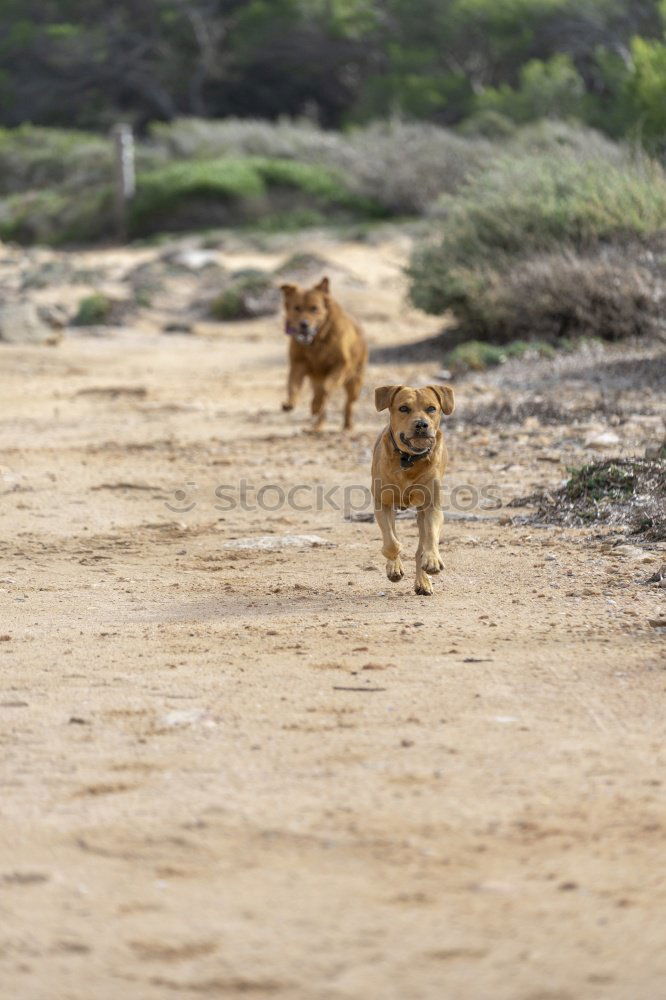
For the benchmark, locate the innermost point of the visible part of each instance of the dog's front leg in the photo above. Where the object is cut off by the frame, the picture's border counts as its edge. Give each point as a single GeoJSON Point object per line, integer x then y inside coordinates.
{"type": "Point", "coordinates": [428, 562]}
{"type": "Point", "coordinates": [294, 383]}
{"type": "Point", "coordinates": [391, 546]}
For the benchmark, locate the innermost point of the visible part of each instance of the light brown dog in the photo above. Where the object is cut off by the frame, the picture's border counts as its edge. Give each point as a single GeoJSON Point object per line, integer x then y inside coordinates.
{"type": "Point", "coordinates": [408, 464]}
{"type": "Point", "coordinates": [327, 345]}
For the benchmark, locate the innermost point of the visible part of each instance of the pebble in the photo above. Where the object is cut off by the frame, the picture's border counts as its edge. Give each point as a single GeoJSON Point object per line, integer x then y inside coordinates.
{"type": "Point", "coordinates": [184, 717]}
{"type": "Point", "coordinates": [607, 439]}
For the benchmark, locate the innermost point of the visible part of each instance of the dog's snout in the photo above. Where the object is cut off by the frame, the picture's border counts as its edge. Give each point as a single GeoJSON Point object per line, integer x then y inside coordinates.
{"type": "Point", "coordinates": [420, 425]}
{"type": "Point", "coordinates": [304, 326]}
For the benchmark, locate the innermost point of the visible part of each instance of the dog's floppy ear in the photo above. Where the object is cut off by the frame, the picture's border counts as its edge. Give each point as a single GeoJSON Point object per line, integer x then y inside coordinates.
{"type": "Point", "coordinates": [323, 286]}
{"type": "Point", "coordinates": [288, 290]}
{"type": "Point", "coordinates": [445, 396]}
{"type": "Point", "coordinates": [384, 395]}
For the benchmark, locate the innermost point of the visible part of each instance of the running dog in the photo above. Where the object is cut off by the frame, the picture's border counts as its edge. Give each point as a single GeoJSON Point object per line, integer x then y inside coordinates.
{"type": "Point", "coordinates": [408, 464]}
{"type": "Point", "coordinates": [327, 345]}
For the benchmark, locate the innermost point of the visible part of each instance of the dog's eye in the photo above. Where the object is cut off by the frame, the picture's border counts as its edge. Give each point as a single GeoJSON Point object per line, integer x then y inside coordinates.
{"type": "Point", "coordinates": [313, 309]}
{"type": "Point", "coordinates": [297, 309]}
{"type": "Point", "coordinates": [404, 409]}
{"type": "Point", "coordinates": [430, 409]}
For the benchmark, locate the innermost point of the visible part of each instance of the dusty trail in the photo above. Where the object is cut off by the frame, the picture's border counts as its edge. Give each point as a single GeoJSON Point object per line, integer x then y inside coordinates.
{"type": "Point", "coordinates": [232, 771]}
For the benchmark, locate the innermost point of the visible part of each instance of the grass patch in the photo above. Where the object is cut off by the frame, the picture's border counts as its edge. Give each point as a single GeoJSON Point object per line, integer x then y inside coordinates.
{"type": "Point", "coordinates": [477, 355]}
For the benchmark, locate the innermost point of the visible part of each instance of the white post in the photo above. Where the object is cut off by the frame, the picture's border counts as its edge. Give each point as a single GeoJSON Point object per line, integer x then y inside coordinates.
{"type": "Point", "coordinates": [125, 176]}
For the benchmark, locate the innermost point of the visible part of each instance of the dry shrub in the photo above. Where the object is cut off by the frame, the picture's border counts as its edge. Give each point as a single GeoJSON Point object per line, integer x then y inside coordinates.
{"type": "Point", "coordinates": [557, 296]}
{"type": "Point", "coordinates": [626, 493]}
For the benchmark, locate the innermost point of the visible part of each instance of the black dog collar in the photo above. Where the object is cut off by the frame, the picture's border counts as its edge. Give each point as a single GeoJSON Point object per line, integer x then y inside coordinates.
{"type": "Point", "coordinates": [407, 458]}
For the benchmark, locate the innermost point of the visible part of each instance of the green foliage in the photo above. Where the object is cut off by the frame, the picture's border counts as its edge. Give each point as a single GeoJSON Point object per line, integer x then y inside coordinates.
{"type": "Point", "coordinates": [646, 90]}
{"type": "Point", "coordinates": [93, 309]}
{"type": "Point", "coordinates": [488, 124]}
{"type": "Point", "coordinates": [310, 179]}
{"type": "Point", "coordinates": [224, 180]}
{"type": "Point", "coordinates": [550, 89]}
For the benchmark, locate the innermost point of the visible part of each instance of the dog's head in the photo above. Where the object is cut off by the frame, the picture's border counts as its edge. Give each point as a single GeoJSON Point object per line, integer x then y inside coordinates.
{"type": "Point", "coordinates": [415, 414]}
{"type": "Point", "coordinates": [305, 310]}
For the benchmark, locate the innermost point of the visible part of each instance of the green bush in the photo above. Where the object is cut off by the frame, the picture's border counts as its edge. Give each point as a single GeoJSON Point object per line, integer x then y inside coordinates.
{"type": "Point", "coordinates": [54, 216]}
{"type": "Point", "coordinates": [251, 293]}
{"type": "Point", "coordinates": [488, 124]}
{"type": "Point", "coordinates": [249, 189]}
{"type": "Point", "coordinates": [529, 207]}
{"type": "Point", "coordinates": [548, 89]}
{"type": "Point", "coordinates": [93, 310]}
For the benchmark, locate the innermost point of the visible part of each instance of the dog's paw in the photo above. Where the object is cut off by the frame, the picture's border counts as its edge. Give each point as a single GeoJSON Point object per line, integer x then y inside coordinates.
{"type": "Point", "coordinates": [423, 586]}
{"type": "Point", "coordinates": [394, 570]}
{"type": "Point", "coordinates": [431, 563]}
{"type": "Point", "coordinates": [287, 406]}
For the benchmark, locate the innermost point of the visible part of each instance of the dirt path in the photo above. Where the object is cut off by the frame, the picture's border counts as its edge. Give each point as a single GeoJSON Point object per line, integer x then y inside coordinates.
{"type": "Point", "coordinates": [269, 772]}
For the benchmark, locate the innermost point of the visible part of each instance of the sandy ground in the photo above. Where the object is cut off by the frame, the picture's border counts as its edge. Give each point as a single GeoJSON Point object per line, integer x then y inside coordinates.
{"type": "Point", "coordinates": [269, 772]}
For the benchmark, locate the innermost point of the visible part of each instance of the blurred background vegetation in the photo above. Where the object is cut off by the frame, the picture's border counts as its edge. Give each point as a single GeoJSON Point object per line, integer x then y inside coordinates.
{"type": "Point", "coordinates": [77, 64]}
{"type": "Point", "coordinates": [527, 135]}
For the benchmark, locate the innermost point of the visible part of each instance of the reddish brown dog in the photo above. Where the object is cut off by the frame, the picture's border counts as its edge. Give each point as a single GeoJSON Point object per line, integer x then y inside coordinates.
{"type": "Point", "coordinates": [327, 345]}
{"type": "Point", "coordinates": [408, 464]}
